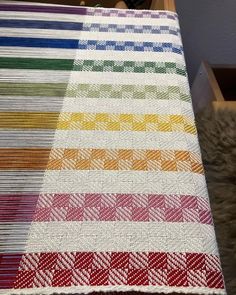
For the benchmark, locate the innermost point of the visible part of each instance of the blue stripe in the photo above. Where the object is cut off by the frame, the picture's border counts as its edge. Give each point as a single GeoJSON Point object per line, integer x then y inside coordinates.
{"type": "Point", "coordinates": [39, 42]}
{"type": "Point", "coordinates": [38, 24]}
{"type": "Point", "coordinates": [93, 27]}
{"type": "Point", "coordinates": [91, 44]}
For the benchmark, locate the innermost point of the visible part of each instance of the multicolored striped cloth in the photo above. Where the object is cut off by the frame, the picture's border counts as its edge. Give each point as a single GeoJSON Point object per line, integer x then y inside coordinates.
{"type": "Point", "coordinates": [102, 186]}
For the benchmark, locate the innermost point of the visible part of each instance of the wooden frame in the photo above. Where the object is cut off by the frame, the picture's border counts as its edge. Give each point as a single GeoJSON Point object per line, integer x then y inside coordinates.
{"type": "Point", "coordinates": [207, 91]}
{"type": "Point", "coordinates": [153, 4]}
{"type": "Point", "coordinates": [163, 5]}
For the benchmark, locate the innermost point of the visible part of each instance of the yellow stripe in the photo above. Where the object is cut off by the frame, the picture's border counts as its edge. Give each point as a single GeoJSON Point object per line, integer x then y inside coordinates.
{"type": "Point", "coordinates": [97, 121]}
{"type": "Point", "coordinates": [125, 122]}
{"type": "Point", "coordinates": [28, 120]}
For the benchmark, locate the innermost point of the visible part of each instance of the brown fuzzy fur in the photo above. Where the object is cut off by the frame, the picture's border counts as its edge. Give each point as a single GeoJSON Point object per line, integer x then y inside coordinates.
{"type": "Point", "coordinates": [217, 136]}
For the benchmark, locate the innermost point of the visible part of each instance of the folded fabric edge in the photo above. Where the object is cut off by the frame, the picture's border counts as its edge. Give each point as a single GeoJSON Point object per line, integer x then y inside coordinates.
{"type": "Point", "coordinates": [125, 290]}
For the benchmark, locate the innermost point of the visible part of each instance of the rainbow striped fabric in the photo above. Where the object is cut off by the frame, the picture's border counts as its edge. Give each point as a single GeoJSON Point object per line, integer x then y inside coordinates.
{"type": "Point", "coordinates": [102, 186]}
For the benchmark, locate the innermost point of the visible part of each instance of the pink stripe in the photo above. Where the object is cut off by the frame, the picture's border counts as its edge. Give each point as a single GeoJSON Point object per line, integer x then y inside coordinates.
{"type": "Point", "coordinates": [122, 207]}
{"type": "Point", "coordinates": [18, 208]}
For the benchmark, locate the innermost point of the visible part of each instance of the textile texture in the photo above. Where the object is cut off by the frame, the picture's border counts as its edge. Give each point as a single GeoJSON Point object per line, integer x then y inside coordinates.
{"type": "Point", "coordinates": [102, 184]}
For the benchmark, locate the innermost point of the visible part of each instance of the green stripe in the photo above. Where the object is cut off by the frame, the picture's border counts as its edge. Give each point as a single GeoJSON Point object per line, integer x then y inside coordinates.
{"type": "Point", "coordinates": [126, 91]}
{"type": "Point", "coordinates": [94, 91]}
{"type": "Point", "coordinates": [36, 63]}
{"type": "Point", "coordinates": [92, 65]}
{"type": "Point", "coordinates": [129, 66]}
{"type": "Point", "coordinates": [33, 89]}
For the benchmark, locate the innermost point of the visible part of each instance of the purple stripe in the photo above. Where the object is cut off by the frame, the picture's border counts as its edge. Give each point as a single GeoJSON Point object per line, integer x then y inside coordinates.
{"type": "Point", "coordinates": [50, 9]}
{"type": "Point", "coordinates": [17, 208]}
{"type": "Point", "coordinates": [88, 11]}
{"type": "Point", "coordinates": [131, 13]}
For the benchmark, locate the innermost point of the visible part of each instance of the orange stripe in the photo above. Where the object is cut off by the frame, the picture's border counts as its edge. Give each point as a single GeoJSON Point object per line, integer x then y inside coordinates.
{"type": "Point", "coordinates": [24, 158]}
{"type": "Point", "coordinates": [124, 159]}
{"type": "Point", "coordinates": [100, 159]}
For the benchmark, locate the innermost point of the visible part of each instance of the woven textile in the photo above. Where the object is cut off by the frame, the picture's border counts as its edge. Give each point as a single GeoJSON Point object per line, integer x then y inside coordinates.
{"type": "Point", "coordinates": [102, 186]}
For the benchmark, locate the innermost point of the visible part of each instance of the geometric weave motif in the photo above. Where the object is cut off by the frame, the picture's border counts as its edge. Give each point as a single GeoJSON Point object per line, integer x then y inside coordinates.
{"type": "Point", "coordinates": [102, 186]}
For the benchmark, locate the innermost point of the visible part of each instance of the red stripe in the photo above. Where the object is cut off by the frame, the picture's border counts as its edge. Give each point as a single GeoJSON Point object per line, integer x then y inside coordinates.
{"type": "Point", "coordinates": [134, 269]}
{"type": "Point", "coordinates": [9, 264]}
{"type": "Point", "coordinates": [122, 207]}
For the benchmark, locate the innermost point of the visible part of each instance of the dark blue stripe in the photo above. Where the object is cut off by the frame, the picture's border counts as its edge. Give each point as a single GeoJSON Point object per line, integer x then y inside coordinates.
{"type": "Point", "coordinates": [90, 44]}
{"type": "Point", "coordinates": [38, 24]}
{"type": "Point", "coordinates": [38, 42]}
{"type": "Point", "coordinates": [93, 27]}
